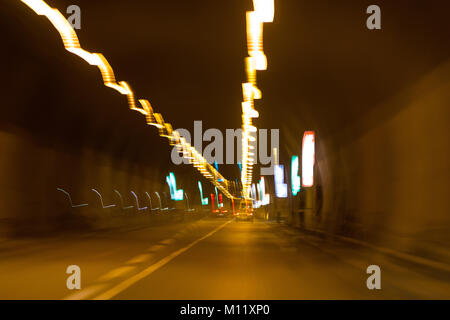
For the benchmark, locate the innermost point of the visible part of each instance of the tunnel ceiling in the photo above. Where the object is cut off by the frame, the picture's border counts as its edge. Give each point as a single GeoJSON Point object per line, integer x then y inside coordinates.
{"type": "Point", "coordinates": [325, 69]}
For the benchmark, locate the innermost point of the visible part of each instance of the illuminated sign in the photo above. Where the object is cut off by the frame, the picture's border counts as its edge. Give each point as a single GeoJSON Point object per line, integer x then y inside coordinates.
{"type": "Point", "coordinates": [295, 179]}
{"type": "Point", "coordinates": [204, 200]}
{"type": "Point", "coordinates": [220, 200]}
{"type": "Point", "coordinates": [219, 205]}
{"type": "Point", "coordinates": [175, 194]}
{"type": "Point", "coordinates": [256, 203]}
{"type": "Point", "coordinates": [265, 197]}
{"type": "Point", "coordinates": [308, 159]}
{"type": "Point", "coordinates": [212, 201]}
{"type": "Point", "coordinates": [280, 186]}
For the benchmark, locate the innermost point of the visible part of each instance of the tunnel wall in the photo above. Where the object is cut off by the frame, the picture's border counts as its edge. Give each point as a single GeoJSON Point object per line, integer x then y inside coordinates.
{"type": "Point", "coordinates": [31, 170]}
{"type": "Point", "coordinates": [385, 178]}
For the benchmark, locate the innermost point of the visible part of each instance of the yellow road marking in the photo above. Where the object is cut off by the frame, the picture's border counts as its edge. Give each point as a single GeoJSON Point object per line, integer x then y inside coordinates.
{"type": "Point", "coordinates": [146, 272]}
{"type": "Point", "coordinates": [156, 247]}
{"type": "Point", "coordinates": [117, 273]}
{"type": "Point", "coordinates": [140, 258]}
{"type": "Point", "coordinates": [167, 241]}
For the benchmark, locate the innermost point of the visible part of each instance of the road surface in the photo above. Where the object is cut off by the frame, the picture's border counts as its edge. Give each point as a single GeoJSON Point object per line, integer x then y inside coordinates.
{"type": "Point", "coordinates": [208, 258]}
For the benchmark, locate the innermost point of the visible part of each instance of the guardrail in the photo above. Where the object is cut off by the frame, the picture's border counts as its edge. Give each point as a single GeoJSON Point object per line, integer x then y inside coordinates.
{"type": "Point", "coordinates": [123, 207]}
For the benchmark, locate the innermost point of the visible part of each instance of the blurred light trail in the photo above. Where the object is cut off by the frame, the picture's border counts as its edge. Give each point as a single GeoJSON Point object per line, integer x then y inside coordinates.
{"type": "Point", "coordinates": [255, 40]}
{"type": "Point", "coordinates": [121, 201]}
{"type": "Point", "coordinates": [280, 186]}
{"type": "Point", "coordinates": [150, 201]}
{"type": "Point", "coordinates": [72, 44]}
{"type": "Point", "coordinates": [204, 200]}
{"type": "Point", "coordinates": [101, 200]}
{"type": "Point", "coordinates": [265, 9]}
{"type": "Point", "coordinates": [175, 194]}
{"type": "Point", "coordinates": [220, 201]}
{"type": "Point", "coordinates": [257, 60]}
{"type": "Point", "coordinates": [217, 198]}
{"type": "Point", "coordinates": [188, 206]}
{"type": "Point", "coordinates": [212, 202]}
{"type": "Point", "coordinates": [159, 199]}
{"type": "Point", "coordinates": [255, 202]}
{"type": "Point", "coordinates": [308, 159]}
{"type": "Point", "coordinates": [70, 199]}
{"type": "Point", "coordinates": [295, 179]}
{"type": "Point", "coordinates": [137, 202]}
{"type": "Point", "coordinates": [217, 169]}
{"type": "Point", "coordinates": [265, 197]}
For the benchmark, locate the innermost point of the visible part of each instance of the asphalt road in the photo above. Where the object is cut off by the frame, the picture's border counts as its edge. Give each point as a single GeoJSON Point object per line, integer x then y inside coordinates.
{"type": "Point", "coordinates": [210, 258]}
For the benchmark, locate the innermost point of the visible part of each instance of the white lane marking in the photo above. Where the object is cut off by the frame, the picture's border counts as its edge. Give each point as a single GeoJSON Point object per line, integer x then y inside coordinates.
{"type": "Point", "coordinates": [118, 272]}
{"type": "Point", "coordinates": [146, 272]}
{"type": "Point", "coordinates": [140, 258]}
{"type": "Point", "coordinates": [86, 292]}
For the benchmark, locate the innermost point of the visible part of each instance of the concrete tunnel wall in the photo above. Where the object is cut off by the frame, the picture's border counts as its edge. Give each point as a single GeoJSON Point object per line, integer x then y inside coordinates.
{"type": "Point", "coordinates": [385, 178]}
{"type": "Point", "coordinates": [30, 172]}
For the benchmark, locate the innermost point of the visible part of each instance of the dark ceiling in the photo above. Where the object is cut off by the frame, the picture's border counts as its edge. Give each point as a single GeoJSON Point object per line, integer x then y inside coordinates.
{"type": "Point", "coordinates": [325, 68]}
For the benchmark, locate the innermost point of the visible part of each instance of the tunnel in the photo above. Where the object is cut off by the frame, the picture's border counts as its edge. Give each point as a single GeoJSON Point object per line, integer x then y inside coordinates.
{"type": "Point", "coordinates": [77, 163]}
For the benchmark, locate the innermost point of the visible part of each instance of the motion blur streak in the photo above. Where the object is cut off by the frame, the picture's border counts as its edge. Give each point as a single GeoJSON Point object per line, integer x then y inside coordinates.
{"type": "Point", "coordinates": [265, 9]}
{"type": "Point", "coordinates": [203, 200]}
{"type": "Point", "coordinates": [295, 179]}
{"type": "Point", "coordinates": [308, 159]}
{"type": "Point", "coordinates": [263, 12]}
{"type": "Point", "coordinates": [377, 102]}
{"type": "Point", "coordinates": [72, 44]}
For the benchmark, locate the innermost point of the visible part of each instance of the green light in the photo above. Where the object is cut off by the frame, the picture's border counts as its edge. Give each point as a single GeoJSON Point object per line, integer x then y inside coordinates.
{"type": "Point", "coordinates": [175, 194]}
{"type": "Point", "coordinates": [204, 200]}
{"type": "Point", "coordinates": [295, 178]}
